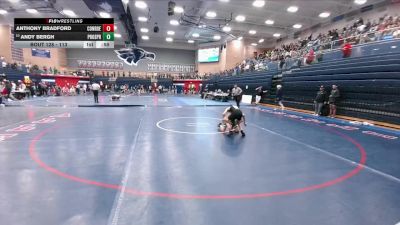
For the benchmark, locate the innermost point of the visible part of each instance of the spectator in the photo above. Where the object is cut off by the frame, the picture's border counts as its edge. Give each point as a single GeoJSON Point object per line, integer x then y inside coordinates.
{"type": "Point", "coordinates": [320, 100]}
{"type": "Point", "coordinates": [347, 49]}
{"type": "Point", "coordinates": [237, 94]}
{"type": "Point", "coordinates": [333, 97]}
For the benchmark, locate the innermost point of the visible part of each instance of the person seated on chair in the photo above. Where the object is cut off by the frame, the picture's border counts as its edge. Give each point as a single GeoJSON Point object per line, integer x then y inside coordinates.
{"type": "Point", "coordinates": [232, 119]}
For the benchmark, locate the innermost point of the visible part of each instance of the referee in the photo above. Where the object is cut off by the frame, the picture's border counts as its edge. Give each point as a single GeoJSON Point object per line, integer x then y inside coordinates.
{"type": "Point", "coordinates": [95, 89]}
{"type": "Point", "coordinates": [237, 94]}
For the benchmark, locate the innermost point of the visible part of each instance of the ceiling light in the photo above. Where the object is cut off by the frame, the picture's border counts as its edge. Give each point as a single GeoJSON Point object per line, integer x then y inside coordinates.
{"type": "Point", "coordinates": [211, 14]}
{"type": "Point", "coordinates": [217, 37]}
{"type": "Point", "coordinates": [125, 1]}
{"type": "Point", "coordinates": [190, 41]}
{"type": "Point", "coordinates": [178, 9]}
{"type": "Point", "coordinates": [2, 11]}
{"type": "Point", "coordinates": [258, 3]}
{"type": "Point", "coordinates": [117, 35]}
{"type": "Point", "coordinates": [394, 46]}
{"type": "Point", "coordinates": [360, 2]}
{"type": "Point", "coordinates": [202, 26]}
{"type": "Point", "coordinates": [31, 11]}
{"type": "Point", "coordinates": [69, 13]}
{"type": "Point", "coordinates": [269, 22]}
{"type": "Point", "coordinates": [240, 38]}
{"type": "Point", "coordinates": [196, 35]}
{"type": "Point", "coordinates": [227, 29]}
{"type": "Point", "coordinates": [140, 4]}
{"type": "Point", "coordinates": [144, 30]}
{"type": "Point", "coordinates": [174, 22]}
{"type": "Point", "coordinates": [104, 15]}
{"type": "Point", "coordinates": [170, 32]}
{"type": "Point", "coordinates": [224, 0]}
{"type": "Point", "coordinates": [324, 14]}
{"type": "Point", "coordinates": [240, 18]}
{"type": "Point", "coordinates": [13, 1]}
{"type": "Point", "coordinates": [142, 19]}
{"type": "Point", "coordinates": [292, 9]}
{"type": "Point", "coordinates": [145, 37]}
{"type": "Point", "coordinates": [252, 32]}
{"type": "Point", "coordinates": [261, 41]}
{"type": "Point", "coordinates": [169, 39]}
{"type": "Point", "coordinates": [277, 35]}
{"type": "Point", "coordinates": [254, 44]}
{"type": "Point", "coordinates": [297, 26]}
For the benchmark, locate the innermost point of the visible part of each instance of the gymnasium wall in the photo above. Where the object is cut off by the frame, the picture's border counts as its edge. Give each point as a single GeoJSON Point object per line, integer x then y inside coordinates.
{"type": "Point", "coordinates": [163, 56]}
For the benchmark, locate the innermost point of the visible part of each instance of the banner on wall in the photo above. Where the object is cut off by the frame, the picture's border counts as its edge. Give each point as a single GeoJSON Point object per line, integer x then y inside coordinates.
{"type": "Point", "coordinates": [160, 67]}
{"type": "Point", "coordinates": [100, 64]}
{"type": "Point", "coordinates": [43, 53]}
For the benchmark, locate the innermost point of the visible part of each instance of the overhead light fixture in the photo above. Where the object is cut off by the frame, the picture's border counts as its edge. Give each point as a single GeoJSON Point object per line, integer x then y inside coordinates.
{"type": "Point", "coordinates": [297, 26]}
{"type": "Point", "coordinates": [174, 22]}
{"type": "Point", "coordinates": [239, 38]}
{"type": "Point", "coordinates": [144, 30]}
{"type": "Point", "coordinates": [277, 35]}
{"type": "Point", "coordinates": [202, 26]}
{"type": "Point", "coordinates": [217, 37]}
{"type": "Point", "coordinates": [261, 41]}
{"type": "Point", "coordinates": [259, 3]}
{"type": "Point", "coordinates": [178, 9]}
{"type": "Point", "coordinates": [324, 14]}
{"type": "Point", "coordinates": [252, 32]}
{"type": "Point", "coordinates": [169, 39]}
{"type": "Point", "coordinates": [240, 18]}
{"type": "Point", "coordinates": [170, 32]}
{"type": "Point", "coordinates": [117, 35]}
{"type": "Point", "coordinates": [293, 9]}
{"type": "Point", "coordinates": [190, 41]}
{"type": "Point", "coordinates": [211, 14]}
{"type": "Point", "coordinates": [360, 2]}
{"type": "Point", "coordinates": [227, 29]}
{"type": "Point", "coordinates": [142, 19]}
{"type": "Point", "coordinates": [196, 35]}
{"type": "Point", "coordinates": [394, 46]}
{"type": "Point", "coordinates": [104, 15]}
{"type": "Point", "coordinates": [3, 12]}
{"type": "Point", "coordinates": [13, 1]}
{"type": "Point", "coordinates": [254, 44]}
{"type": "Point", "coordinates": [224, 0]}
{"type": "Point", "coordinates": [269, 22]}
{"type": "Point", "coordinates": [69, 13]}
{"type": "Point", "coordinates": [140, 4]}
{"type": "Point", "coordinates": [33, 11]}
{"type": "Point", "coordinates": [145, 37]}
{"type": "Point", "coordinates": [125, 1]}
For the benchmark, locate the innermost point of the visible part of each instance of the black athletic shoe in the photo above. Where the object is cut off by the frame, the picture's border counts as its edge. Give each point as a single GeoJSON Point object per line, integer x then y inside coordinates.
{"type": "Point", "coordinates": [243, 134]}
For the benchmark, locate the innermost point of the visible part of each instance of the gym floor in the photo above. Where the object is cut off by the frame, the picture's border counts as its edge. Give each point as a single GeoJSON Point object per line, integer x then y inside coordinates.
{"type": "Point", "coordinates": [160, 160]}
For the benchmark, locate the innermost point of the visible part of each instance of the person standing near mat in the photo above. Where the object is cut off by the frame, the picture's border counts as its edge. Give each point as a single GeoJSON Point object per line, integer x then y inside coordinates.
{"type": "Point", "coordinates": [333, 97]}
{"type": "Point", "coordinates": [260, 93]}
{"type": "Point", "coordinates": [279, 96]}
{"type": "Point", "coordinates": [95, 89]}
{"type": "Point", "coordinates": [320, 100]}
{"type": "Point", "coordinates": [237, 94]}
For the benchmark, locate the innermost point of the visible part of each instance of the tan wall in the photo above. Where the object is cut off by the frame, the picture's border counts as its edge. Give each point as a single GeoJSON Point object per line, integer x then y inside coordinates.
{"type": "Point", "coordinates": [58, 56]}
{"type": "Point", "coordinates": [5, 42]}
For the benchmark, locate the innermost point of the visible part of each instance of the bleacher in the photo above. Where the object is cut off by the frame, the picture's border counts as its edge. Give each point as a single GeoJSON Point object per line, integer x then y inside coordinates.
{"type": "Point", "coordinates": [247, 81]}
{"type": "Point", "coordinates": [369, 86]}
{"type": "Point", "coordinates": [15, 75]}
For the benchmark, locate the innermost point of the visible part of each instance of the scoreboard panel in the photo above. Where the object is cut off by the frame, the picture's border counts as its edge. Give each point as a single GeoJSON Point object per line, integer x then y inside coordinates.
{"type": "Point", "coordinates": [64, 32]}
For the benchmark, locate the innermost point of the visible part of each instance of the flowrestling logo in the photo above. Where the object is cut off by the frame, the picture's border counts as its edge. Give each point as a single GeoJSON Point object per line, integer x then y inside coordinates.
{"type": "Point", "coordinates": [132, 56]}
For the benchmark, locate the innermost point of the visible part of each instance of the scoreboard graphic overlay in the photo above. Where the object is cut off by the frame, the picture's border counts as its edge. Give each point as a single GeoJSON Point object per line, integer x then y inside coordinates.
{"type": "Point", "coordinates": [64, 33]}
